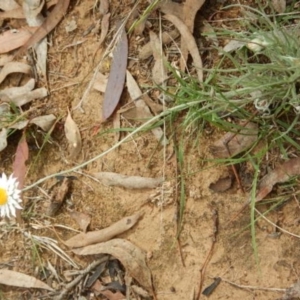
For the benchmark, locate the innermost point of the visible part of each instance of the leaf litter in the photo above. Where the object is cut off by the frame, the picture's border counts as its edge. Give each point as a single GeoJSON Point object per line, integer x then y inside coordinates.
{"type": "Point", "coordinates": [103, 235]}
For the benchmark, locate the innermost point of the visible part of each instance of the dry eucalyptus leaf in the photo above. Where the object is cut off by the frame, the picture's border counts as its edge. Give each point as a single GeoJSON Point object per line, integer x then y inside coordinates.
{"type": "Point", "coordinates": [232, 144]}
{"type": "Point", "coordinates": [23, 99]}
{"type": "Point", "coordinates": [279, 5]}
{"type": "Point", "coordinates": [167, 37]}
{"type": "Point", "coordinates": [32, 11]}
{"type": "Point", "coordinates": [14, 67]}
{"type": "Point", "coordinates": [170, 7]}
{"type": "Point", "coordinates": [73, 136]}
{"type": "Point", "coordinates": [3, 139]}
{"type": "Point", "coordinates": [100, 82]}
{"type": "Point", "coordinates": [233, 45]}
{"type": "Point", "coordinates": [116, 79]}
{"type": "Point", "coordinates": [8, 5]}
{"type": "Point", "coordinates": [19, 125]}
{"type": "Point", "coordinates": [10, 93]}
{"type": "Point", "coordinates": [83, 220]}
{"type": "Point", "coordinates": [13, 278]}
{"type": "Point", "coordinates": [44, 122]}
{"type": "Point", "coordinates": [190, 9]}
{"type": "Point", "coordinates": [135, 94]}
{"type": "Point", "coordinates": [131, 257]}
{"type": "Point", "coordinates": [281, 173]}
{"type": "Point", "coordinates": [104, 7]}
{"type": "Point", "coordinates": [129, 182]}
{"type": "Point", "coordinates": [104, 28]}
{"type": "Point", "coordinates": [13, 39]}
{"type": "Point", "coordinates": [159, 71]}
{"type": "Point", "coordinates": [190, 43]}
{"type": "Point", "coordinates": [103, 235]}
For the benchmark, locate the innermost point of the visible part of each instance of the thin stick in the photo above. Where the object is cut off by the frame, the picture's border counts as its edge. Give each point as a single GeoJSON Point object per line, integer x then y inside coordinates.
{"type": "Point", "coordinates": [251, 287]}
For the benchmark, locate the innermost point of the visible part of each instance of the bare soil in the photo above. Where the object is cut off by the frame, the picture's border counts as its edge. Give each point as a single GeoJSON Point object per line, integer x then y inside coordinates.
{"type": "Point", "coordinates": [70, 69]}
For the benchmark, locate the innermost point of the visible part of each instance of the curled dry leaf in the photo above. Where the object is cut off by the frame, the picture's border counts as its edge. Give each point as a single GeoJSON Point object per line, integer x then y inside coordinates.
{"type": "Point", "coordinates": [14, 67]}
{"type": "Point", "coordinates": [100, 82]}
{"type": "Point", "coordinates": [44, 122]}
{"type": "Point", "coordinates": [131, 257]}
{"type": "Point", "coordinates": [136, 94]}
{"type": "Point", "coordinates": [32, 11]}
{"type": "Point", "coordinates": [11, 93]}
{"type": "Point", "coordinates": [103, 235]}
{"type": "Point", "coordinates": [189, 42]}
{"type": "Point", "coordinates": [116, 79]}
{"type": "Point", "coordinates": [30, 96]}
{"type": "Point", "coordinates": [232, 144]}
{"type": "Point", "coordinates": [19, 164]}
{"type": "Point", "coordinates": [167, 37]}
{"type": "Point", "coordinates": [49, 24]}
{"type": "Point", "coordinates": [8, 5]}
{"type": "Point", "coordinates": [13, 278]}
{"type": "Point", "coordinates": [3, 139]}
{"type": "Point", "coordinates": [129, 182]}
{"type": "Point", "coordinates": [159, 71]}
{"type": "Point", "coordinates": [280, 174]}
{"type": "Point", "coordinates": [190, 9]}
{"type": "Point", "coordinates": [104, 28]}
{"type": "Point", "coordinates": [104, 7]}
{"type": "Point", "coordinates": [73, 136]}
{"type": "Point", "coordinates": [83, 220]}
{"type": "Point", "coordinates": [13, 39]}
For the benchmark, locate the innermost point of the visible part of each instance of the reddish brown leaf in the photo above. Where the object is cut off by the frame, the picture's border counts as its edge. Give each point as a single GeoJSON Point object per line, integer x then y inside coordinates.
{"type": "Point", "coordinates": [48, 25]}
{"type": "Point", "coordinates": [232, 144]}
{"type": "Point", "coordinates": [116, 77]}
{"type": "Point", "coordinates": [19, 167]}
{"type": "Point", "coordinates": [221, 185]}
{"type": "Point", "coordinates": [280, 174]}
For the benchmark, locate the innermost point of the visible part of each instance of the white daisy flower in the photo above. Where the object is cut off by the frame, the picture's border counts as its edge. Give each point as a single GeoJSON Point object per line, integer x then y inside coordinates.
{"type": "Point", "coordinates": [9, 196]}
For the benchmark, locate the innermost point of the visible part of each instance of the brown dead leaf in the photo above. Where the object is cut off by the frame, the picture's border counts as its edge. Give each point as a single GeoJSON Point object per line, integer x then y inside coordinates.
{"type": "Point", "coordinates": [104, 7]}
{"type": "Point", "coordinates": [190, 43]}
{"type": "Point", "coordinates": [19, 166]}
{"type": "Point", "coordinates": [103, 235]}
{"type": "Point", "coordinates": [131, 257]}
{"type": "Point", "coordinates": [167, 37]}
{"type": "Point", "coordinates": [113, 296]}
{"type": "Point", "coordinates": [48, 25]}
{"type": "Point", "coordinates": [116, 79]}
{"type": "Point", "coordinates": [236, 143]}
{"type": "Point", "coordinates": [13, 278]}
{"type": "Point", "coordinates": [44, 122]}
{"type": "Point", "coordinates": [58, 194]}
{"type": "Point", "coordinates": [190, 10]}
{"type": "Point", "coordinates": [159, 71]}
{"type": "Point", "coordinates": [8, 5]}
{"type": "Point", "coordinates": [100, 82]}
{"type": "Point", "coordinates": [3, 139]}
{"type": "Point", "coordinates": [129, 182]}
{"type": "Point", "coordinates": [14, 67]}
{"type": "Point", "coordinates": [13, 39]}
{"type": "Point", "coordinates": [135, 94]}
{"type": "Point", "coordinates": [221, 185]}
{"type": "Point", "coordinates": [280, 174]}
{"type": "Point", "coordinates": [104, 28]}
{"type": "Point", "coordinates": [170, 7]}
{"type": "Point", "coordinates": [83, 220]}
{"type": "Point", "coordinates": [73, 136]}
{"type": "Point", "coordinates": [16, 13]}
